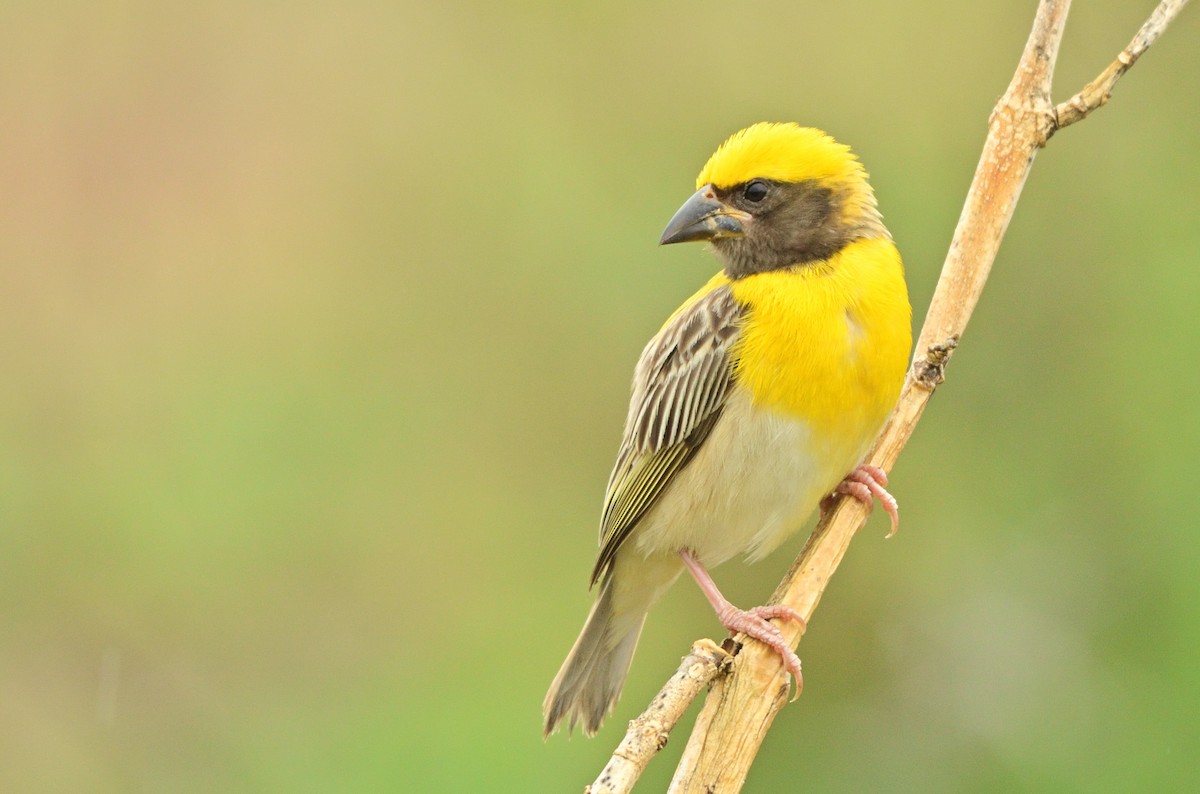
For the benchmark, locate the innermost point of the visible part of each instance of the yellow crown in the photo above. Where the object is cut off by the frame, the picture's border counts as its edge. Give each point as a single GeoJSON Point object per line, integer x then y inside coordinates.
{"type": "Point", "coordinates": [782, 152]}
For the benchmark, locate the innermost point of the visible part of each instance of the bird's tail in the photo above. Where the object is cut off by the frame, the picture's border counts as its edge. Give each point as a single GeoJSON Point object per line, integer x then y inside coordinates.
{"type": "Point", "coordinates": [590, 680]}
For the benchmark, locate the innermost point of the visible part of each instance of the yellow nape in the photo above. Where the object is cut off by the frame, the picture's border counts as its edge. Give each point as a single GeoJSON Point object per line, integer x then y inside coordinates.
{"type": "Point", "coordinates": [782, 152]}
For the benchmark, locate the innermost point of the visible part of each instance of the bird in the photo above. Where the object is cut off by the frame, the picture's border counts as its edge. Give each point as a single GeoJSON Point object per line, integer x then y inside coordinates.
{"type": "Point", "coordinates": [756, 402]}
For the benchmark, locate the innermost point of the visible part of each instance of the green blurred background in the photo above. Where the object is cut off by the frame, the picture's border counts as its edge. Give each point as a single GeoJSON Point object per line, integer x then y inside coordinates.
{"type": "Point", "coordinates": [316, 325]}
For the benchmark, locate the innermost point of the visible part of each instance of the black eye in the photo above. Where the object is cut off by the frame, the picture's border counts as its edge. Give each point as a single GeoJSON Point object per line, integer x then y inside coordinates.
{"type": "Point", "coordinates": [755, 191]}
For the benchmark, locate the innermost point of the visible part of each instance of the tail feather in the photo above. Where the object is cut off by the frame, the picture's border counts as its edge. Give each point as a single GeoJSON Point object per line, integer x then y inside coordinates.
{"type": "Point", "coordinates": [590, 680]}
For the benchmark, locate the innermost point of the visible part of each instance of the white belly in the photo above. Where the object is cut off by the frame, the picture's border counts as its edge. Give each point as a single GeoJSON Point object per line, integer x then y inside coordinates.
{"type": "Point", "coordinates": [756, 479]}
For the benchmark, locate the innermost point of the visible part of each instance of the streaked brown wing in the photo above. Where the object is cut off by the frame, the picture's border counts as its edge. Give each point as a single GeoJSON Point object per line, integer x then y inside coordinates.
{"type": "Point", "coordinates": [680, 385]}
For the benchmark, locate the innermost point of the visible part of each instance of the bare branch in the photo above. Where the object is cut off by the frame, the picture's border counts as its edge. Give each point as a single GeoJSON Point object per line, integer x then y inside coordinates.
{"type": "Point", "coordinates": [1099, 91]}
{"type": "Point", "coordinates": [649, 732]}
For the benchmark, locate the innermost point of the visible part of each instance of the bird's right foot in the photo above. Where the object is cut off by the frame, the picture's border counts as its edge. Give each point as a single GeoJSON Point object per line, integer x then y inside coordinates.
{"type": "Point", "coordinates": [754, 622]}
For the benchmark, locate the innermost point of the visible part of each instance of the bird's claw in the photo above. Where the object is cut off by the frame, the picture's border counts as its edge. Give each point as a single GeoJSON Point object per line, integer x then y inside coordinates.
{"type": "Point", "coordinates": [755, 623]}
{"type": "Point", "coordinates": [866, 484]}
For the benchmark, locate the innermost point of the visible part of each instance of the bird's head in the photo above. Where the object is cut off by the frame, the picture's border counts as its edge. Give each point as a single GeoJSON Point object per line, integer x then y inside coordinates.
{"type": "Point", "coordinates": [777, 195]}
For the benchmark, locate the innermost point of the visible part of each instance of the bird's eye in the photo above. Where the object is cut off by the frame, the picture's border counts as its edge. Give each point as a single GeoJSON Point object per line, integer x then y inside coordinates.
{"type": "Point", "coordinates": [755, 192]}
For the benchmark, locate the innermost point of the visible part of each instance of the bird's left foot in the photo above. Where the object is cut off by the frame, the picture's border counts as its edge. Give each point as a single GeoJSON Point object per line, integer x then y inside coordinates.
{"type": "Point", "coordinates": [866, 484]}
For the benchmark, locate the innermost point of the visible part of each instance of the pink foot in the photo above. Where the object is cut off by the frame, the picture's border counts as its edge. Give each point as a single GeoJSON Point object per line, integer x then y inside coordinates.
{"type": "Point", "coordinates": [866, 484]}
{"type": "Point", "coordinates": [751, 622]}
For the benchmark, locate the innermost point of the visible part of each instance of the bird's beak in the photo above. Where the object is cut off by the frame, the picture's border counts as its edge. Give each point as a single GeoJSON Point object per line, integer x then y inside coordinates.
{"type": "Point", "coordinates": [704, 217]}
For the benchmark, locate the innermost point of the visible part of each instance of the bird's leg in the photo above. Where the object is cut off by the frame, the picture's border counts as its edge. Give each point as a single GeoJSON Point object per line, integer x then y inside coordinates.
{"type": "Point", "coordinates": [866, 484]}
{"type": "Point", "coordinates": [751, 622]}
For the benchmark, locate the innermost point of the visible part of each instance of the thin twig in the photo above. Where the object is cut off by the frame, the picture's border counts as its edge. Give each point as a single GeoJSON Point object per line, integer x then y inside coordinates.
{"type": "Point", "coordinates": [1099, 91]}
{"type": "Point", "coordinates": [649, 732]}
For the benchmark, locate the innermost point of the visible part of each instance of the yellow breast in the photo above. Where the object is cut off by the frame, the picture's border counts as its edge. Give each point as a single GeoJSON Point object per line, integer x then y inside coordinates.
{"type": "Point", "coordinates": [828, 344]}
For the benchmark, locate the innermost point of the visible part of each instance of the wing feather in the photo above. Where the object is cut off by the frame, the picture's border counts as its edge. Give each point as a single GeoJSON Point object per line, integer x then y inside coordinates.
{"type": "Point", "coordinates": [679, 389]}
